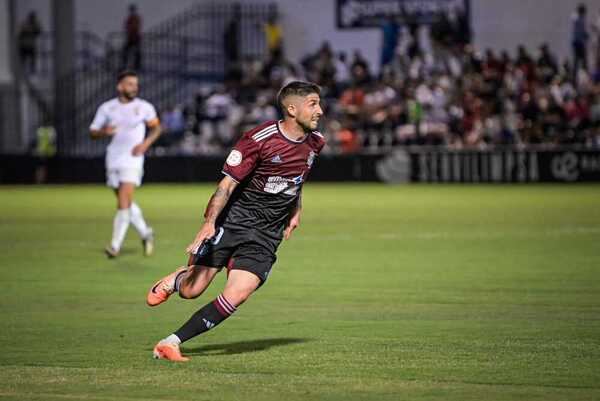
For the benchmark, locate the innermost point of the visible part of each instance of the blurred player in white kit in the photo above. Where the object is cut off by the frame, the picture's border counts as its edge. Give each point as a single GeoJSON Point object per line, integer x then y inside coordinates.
{"type": "Point", "coordinates": [124, 119]}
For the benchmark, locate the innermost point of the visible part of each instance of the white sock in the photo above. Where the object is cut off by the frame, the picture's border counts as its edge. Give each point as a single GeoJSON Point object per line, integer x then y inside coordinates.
{"type": "Point", "coordinates": [172, 339]}
{"type": "Point", "coordinates": [120, 225]}
{"type": "Point", "coordinates": [137, 219]}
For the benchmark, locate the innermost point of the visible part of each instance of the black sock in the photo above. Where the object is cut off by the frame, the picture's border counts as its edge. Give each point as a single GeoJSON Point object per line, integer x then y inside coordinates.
{"type": "Point", "coordinates": [206, 318]}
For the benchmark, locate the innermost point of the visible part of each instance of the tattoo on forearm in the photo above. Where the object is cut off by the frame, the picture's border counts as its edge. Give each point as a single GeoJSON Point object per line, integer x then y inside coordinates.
{"type": "Point", "coordinates": [216, 203]}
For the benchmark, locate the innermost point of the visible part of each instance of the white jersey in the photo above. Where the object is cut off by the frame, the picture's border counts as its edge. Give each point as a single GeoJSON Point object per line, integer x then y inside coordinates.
{"type": "Point", "coordinates": [130, 120]}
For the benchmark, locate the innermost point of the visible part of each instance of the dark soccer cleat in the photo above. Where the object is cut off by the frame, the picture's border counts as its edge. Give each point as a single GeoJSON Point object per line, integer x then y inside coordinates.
{"type": "Point", "coordinates": [110, 252]}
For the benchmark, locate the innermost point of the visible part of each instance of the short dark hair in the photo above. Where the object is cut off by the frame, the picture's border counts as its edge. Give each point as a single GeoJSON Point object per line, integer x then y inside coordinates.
{"type": "Point", "coordinates": [126, 73]}
{"type": "Point", "coordinates": [297, 88]}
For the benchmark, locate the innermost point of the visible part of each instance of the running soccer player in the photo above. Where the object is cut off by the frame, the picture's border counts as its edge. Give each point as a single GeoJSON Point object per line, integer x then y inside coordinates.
{"type": "Point", "coordinates": [255, 206]}
{"type": "Point", "coordinates": [124, 119]}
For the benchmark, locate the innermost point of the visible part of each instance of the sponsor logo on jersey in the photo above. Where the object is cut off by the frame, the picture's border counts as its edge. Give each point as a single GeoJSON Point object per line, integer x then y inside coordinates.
{"type": "Point", "coordinates": [277, 159]}
{"type": "Point", "coordinates": [278, 184]}
{"type": "Point", "coordinates": [311, 158]}
{"type": "Point", "coordinates": [234, 158]}
{"type": "Point", "coordinates": [297, 180]}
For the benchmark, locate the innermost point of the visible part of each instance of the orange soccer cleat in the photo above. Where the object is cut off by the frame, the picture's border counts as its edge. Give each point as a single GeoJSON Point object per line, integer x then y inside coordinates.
{"type": "Point", "coordinates": [169, 351]}
{"type": "Point", "coordinates": [162, 290]}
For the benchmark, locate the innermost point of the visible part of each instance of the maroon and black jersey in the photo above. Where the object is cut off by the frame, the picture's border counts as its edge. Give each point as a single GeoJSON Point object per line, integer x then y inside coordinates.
{"type": "Point", "coordinates": [270, 169]}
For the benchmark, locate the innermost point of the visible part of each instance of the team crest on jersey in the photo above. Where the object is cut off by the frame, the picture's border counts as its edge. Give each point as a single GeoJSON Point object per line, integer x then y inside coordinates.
{"type": "Point", "coordinates": [311, 158]}
{"type": "Point", "coordinates": [234, 158]}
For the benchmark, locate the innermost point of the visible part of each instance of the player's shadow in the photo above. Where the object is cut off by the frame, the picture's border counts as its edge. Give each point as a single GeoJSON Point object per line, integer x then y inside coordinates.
{"type": "Point", "coordinates": [242, 347]}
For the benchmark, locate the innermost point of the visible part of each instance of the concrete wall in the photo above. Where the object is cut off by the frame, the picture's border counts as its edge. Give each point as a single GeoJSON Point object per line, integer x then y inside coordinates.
{"type": "Point", "coordinates": [507, 23]}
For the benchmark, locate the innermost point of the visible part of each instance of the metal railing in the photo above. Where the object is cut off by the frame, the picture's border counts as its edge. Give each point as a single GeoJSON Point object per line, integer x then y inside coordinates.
{"type": "Point", "coordinates": [89, 49]}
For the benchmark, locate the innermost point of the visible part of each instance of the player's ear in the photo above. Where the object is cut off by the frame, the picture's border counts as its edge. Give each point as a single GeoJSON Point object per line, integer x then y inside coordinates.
{"type": "Point", "coordinates": [291, 109]}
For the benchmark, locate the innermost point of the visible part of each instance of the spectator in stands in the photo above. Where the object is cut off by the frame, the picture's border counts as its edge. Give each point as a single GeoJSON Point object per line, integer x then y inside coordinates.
{"type": "Point", "coordinates": [492, 66]}
{"type": "Point", "coordinates": [579, 39]}
{"type": "Point", "coordinates": [359, 60]}
{"type": "Point", "coordinates": [132, 48]}
{"type": "Point", "coordinates": [546, 64]}
{"type": "Point", "coordinates": [173, 126]}
{"type": "Point", "coordinates": [273, 34]}
{"type": "Point", "coordinates": [389, 32]}
{"type": "Point", "coordinates": [552, 119]}
{"type": "Point", "coordinates": [596, 30]}
{"type": "Point", "coordinates": [231, 39]}
{"type": "Point", "coordinates": [278, 72]}
{"type": "Point", "coordinates": [29, 32]}
{"type": "Point", "coordinates": [346, 139]}
{"type": "Point", "coordinates": [352, 99]}
{"type": "Point", "coordinates": [324, 66]}
{"type": "Point", "coordinates": [262, 111]}
{"type": "Point", "coordinates": [593, 139]}
{"type": "Point", "coordinates": [342, 71]}
{"type": "Point", "coordinates": [441, 30]}
{"type": "Point", "coordinates": [462, 29]}
{"type": "Point", "coordinates": [216, 129]}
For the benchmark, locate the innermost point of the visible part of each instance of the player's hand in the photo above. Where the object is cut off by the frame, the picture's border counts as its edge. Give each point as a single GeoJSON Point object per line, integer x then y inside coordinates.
{"type": "Point", "coordinates": [109, 130]}
{"type": "Point", "coordinates": [139, 149]}
{"type": "Point", "coordinates": [293, 224]}
{"type": "Point", "coordinates": [206, 232]}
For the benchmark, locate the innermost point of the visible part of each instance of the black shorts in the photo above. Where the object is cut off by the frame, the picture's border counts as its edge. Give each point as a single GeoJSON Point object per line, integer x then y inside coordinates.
{"type": "Point", "coordinates": [239, 248]}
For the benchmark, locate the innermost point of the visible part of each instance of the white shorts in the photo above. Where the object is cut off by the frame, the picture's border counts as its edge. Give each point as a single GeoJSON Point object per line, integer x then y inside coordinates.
{"type": "Point", "coordinates": [114, 177]}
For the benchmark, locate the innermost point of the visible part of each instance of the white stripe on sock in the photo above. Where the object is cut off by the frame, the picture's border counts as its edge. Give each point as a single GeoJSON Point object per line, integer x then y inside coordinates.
{"type": "Point", "coordinates": [225, 305]}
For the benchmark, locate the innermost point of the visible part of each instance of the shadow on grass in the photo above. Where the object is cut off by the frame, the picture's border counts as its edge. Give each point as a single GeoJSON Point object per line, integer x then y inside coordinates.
{"type": "Point", "coordinates": [242, 347]}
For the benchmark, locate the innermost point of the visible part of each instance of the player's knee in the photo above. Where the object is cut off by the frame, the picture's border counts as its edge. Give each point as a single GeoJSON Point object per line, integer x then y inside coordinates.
{"type": "Point", "coordinates": [238, 296]}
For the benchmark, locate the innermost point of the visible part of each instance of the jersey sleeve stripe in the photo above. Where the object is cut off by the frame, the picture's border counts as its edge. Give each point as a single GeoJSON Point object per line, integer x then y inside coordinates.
{"type": "Point", "coordinates": [264, 131]}
{"type": "Point", "coordinates": [264, 136]}
{"type": "Point", "coordinates": [230, 176]}
{"type": "Point", "coordinates": [267, 128]}
{"type": "Point", "coordinates": [317, 133]}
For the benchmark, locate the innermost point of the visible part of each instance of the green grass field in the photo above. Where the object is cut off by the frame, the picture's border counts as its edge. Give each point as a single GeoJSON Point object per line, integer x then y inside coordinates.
{"type": "Point", "coordinates": [384, 293]}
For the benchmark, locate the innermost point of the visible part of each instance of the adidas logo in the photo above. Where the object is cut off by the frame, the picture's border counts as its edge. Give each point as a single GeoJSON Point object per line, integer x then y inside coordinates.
{"type": "Point", "coordinates": [209, 325]}
{"type": "Point", "coordinates": [276, 159]}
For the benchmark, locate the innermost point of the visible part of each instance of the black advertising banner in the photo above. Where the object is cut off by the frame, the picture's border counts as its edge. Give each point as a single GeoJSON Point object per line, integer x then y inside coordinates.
{"type": "Point", "coordinates": [371, 13]}
{"type": "Point", "coordinates": [510, 165]}
{"type": "Point", "coordinates": [401, 165]}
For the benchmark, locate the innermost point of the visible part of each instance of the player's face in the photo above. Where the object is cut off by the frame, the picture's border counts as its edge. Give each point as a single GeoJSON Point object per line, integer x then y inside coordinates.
{"type": "Point", "coordinates": [309, 112]}
{"type": "Point", "coordinates": [128, 87]}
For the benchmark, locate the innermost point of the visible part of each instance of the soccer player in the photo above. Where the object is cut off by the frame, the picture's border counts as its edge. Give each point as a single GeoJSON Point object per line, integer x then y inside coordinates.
{"type": "Point", "coordinates": [255, 205]}
{"type": "Point", "coordinates": [124, 119]}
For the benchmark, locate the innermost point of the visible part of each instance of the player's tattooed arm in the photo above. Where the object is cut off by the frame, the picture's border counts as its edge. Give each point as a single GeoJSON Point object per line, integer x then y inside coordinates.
{"type": "Point", "coordinates": [218, 200]}
{"type": "Point", "coordinates": [215, 205]}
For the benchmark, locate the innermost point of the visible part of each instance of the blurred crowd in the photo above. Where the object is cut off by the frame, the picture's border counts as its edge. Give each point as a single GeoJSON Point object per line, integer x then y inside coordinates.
{"type": "Point", "coordinates": [432, 88]}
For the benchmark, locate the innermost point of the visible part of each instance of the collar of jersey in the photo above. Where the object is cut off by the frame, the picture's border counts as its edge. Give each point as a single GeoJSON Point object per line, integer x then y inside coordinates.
{"type": "Point", "coordinates": [286, 137]}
